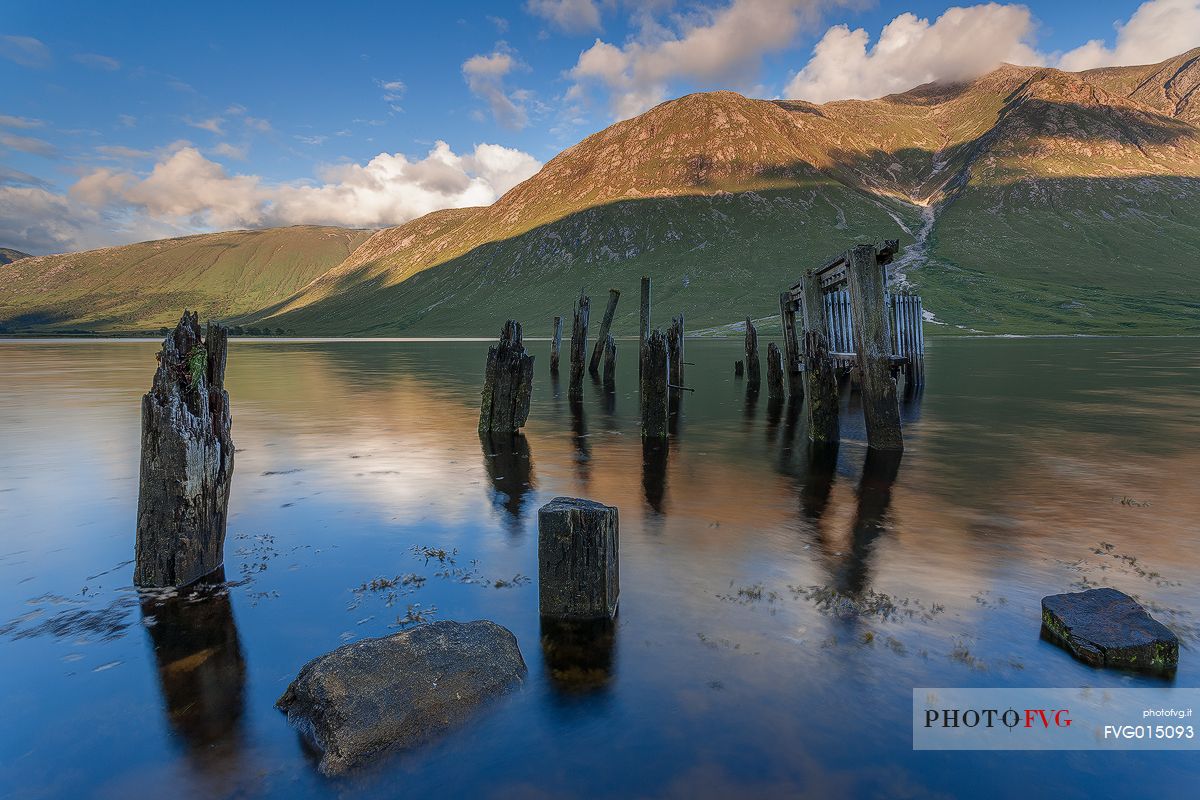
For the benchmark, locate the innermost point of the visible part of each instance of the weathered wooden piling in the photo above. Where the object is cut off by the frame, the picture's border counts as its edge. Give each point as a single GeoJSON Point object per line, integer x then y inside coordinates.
{"type": "Point", "coordinates": [654, 391]}
{"type": "Point", "coordinates": [775, 389]}
{"type": "Point", "coordinates": [675, 349]}
{"type": "Point", "coordinates": [739, 368]}
{"type": "Point", "coordinates": [874, 348]}
{"type": "Point", "coordinates": [753, 373]}
{"type": "Point", "coordinates": [555, 344]}
{"type": "Point", "coordinates": [791, 345]}
{"type": "Point", "coordinates": [578, 561]}
{"type": "Point", "coordinates": [186, 460]}
{"type": "Point", "coordinates": [605, 325]}
{"type": "Point", "coordinates": [578, 346]}
{"type": "Point", "coordinates": [821, 385]}
{"type": "Point", "coordinates": [507, 383]}
{"type": "Point", "coordinates": [643, 320]}
{"type": "Point", "coordinates": [610, 362]}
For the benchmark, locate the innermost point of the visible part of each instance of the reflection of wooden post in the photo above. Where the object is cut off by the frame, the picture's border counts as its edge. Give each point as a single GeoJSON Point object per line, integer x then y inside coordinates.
{"type": "Point", "coordinates": [821, 386]}
{"type": "Point", "coordinates": [578, 347]}
{"type": "Point", "coordinates": [753, 374]}
{"type": "Point", "coordinates": [873, 347]}
{"type": "Point", "coordinates": [186, 460]}
{"type": "Point", "coordinates": [507, 383]}
{"type": "Point", "coordinates": [791, 345]}
{"type": "Point", "coordinates": [578, 574]}
{"type": "Point", "coordinates": [610, 361]}
{"type": "Point", "coordinates": [613, 296]}
{"type": "Point", "coordinates": [555, 343]}
{"type": "Point", "coordinates": [654, 394]}
{"type": "Point", "coordinates": [774, 372]}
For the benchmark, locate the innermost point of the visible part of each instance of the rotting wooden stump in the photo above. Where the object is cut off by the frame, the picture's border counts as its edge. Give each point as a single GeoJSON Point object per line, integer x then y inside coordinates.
{"type": "Point", "coordinates": [791, 345]}
{"type": "Point", "coordinates": [675, 347]}
{"type": "Point", "coordinates": [873, 341]}
{"type": "Point", "coordinates": [578, 576]}
{"type": "Point", "coordinates": [822, 390]}
{"type": "Point", "coordinates": [644, 318]}
{"type": "Point", "coordinates": [605, 325]}
{"type": "Point", "coordinates": [186, 460]}
{"type": "Point", "coordinates": [775, 390]}
{"type": "Point", "coordinates": [654, 392]}
{"type": "Point", "coordinates": [610, 362]}
{"type": "Point", "coordinates": [555, 344]}
{"type": "Point", "coordinates": [753, 373]}
{"type": "Point", "coordinates": [507, 383]}
{"type": "Point", "coordinates": [579, 330]}
{"type": "Point", "coordinates": [739, 368]}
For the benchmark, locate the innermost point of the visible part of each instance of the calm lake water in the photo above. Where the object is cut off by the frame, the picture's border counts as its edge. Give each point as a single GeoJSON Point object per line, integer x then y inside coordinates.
{"type": "Point", "coordinates": [734, 669]}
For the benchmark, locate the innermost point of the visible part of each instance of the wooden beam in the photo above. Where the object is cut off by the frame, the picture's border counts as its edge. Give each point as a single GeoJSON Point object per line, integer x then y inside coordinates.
{"type": "Point", "coordinates": [874, 349]}
{"type": "Point", "coordinates": [820, 381]}
{"type": "Point", "coordinates": [602, 338]}
{"type": "Point", "coordinates": [791, 345]}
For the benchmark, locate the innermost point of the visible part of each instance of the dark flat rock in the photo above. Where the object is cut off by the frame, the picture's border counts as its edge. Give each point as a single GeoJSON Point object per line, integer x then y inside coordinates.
{"type": "Point", "coordinates": [1108, 628]}
{"type": "Point", "coordinates": [399, 690]}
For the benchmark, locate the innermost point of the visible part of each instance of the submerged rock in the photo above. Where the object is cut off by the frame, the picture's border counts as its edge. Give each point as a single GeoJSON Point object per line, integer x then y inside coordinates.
{"type": "Point", "coordinates": [399, 690]}
{"type": "Point", "coordinates": [1108, 628]}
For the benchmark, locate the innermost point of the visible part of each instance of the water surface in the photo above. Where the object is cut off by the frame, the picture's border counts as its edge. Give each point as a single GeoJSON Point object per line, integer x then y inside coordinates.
{"type": "Point", "coordinates": [775, 611]}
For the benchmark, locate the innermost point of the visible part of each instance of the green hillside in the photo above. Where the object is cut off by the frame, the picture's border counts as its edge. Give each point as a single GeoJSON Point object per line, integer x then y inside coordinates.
{"type": "Point", "coordinates": [1029, 200]}
{"type": "Point", "coordinates": [8, 255]}
{"type": "Point", "coordinates": [144, 286]}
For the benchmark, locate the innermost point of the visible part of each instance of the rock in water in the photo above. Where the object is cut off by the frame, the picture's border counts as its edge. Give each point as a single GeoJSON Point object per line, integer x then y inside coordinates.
{"type": "Point", "coordinates": [1107, 628]}
{"type": "Point", "coordinates": [187, 460]}
{"type": "Point", "coordinates": [400, 690]}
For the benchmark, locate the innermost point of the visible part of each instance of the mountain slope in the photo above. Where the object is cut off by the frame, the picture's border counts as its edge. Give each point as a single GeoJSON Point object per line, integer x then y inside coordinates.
{"type": "Point", "coordinates": [8, 255]}
{"type": "Point", "coordinates": [144, 286]}
{"type": "Point", "coordinates": [1029, 200]}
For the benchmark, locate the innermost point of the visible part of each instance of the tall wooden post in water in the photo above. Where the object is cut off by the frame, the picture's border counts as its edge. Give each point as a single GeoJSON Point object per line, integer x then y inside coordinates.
{"type": "Point", "coordinates": [507, 383]}
{"type": "Point", "coordinates": [654, 394]}
{"type": "Point", "coordinates": [644, 319]}
{"type": "Point", "coordinates": [598, 351]}
{"type": "Point", "coordinates": [820, 381]}
{"type": "Point", "coordinates": [774, 372]}
{"type": "Point", "coordinates": [555, 343]}
{"type": "Point", "coordinates": [753, 372]}
{"type": "Point", "coordinates": [578, 347]}
{"type": "Point", "coordinates": [873, 345]}
{"type": "Point", "coordinates": [187, 460]}
{"type": "Point", "coordinates": [791, 346]}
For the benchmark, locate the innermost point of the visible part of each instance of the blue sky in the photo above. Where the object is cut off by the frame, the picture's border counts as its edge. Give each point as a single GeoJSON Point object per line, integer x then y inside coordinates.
{"type": "Point", "coordinates": [130, 120]}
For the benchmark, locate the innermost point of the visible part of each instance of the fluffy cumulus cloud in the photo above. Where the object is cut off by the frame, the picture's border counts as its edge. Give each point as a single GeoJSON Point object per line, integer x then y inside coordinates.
{"type": "Point", "coordinates": [569, 16]}
{"type": "Point", "coordinates": [711, 45]}
{"type": "Point", "coordinates": [186, 192]}
{"type": "Point", "coordinates": [961, 43]}
{"type": "Point", "coordinates": [1156, 31]}
{"type": "Point", "coordinates": [485, 76]}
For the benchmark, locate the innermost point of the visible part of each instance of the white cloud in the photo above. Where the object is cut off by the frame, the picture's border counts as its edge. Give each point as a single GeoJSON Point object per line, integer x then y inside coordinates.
{"type": "Point", "coordinates": [711, 45]}
{"type": "Point", "coordinates": [1157, 30]}
{"type": "Point", "coordinates": [569, 16]}
{"type": "Point", "coordinates": [28, 144]}
{"type": "Point", "coordinates": [97, 61]}
{"type": "Point", "coordinates": [212, 124]}
{"type": "Point", "coordinates": [118, 151]}
{"type": "Point", "coordinates": [25, 50]}
{"type": "Point", "coordinates": [961, 43]}
{"type": "Point", "coordinates": [126, 120]}
{"type": "Point", "coordinates": [485, 78]}
{"type": "Point", "coordinates": [393, 92]}
{"type": "Point", "coordinates": [231, 151]}
{"type": "Point", "coordinates": [7, 121]}
{"type": "Point", "coordinates": [186, 192]}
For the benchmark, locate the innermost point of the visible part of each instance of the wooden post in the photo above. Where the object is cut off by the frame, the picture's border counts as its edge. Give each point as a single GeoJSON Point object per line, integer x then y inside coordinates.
{"type": "Point", "coordinates": [920, 343]}
{"type": "Point", "coordinates": [654, 393]}
{"type": "Point", "coordinates": [605, 324]}
{"type": "Point", "coordinates": [578, 347]}
{"type": "Point", "coordinates": [791, 345]}
{"type": "Point", "coordinates": [610, 362]}
{"type": "Point", "coordinates": [555, 343]}
{"type": "Point", "coordinates": [820, 379]}
{"type": "Point", "coordinates": [578, 575]}
{"type": "Point", "coordinates": [186, 460]}
{"type": "Point", "coordinates": [675, 350]}
{"type": "Point", "coordinates": [644, 320]}
{"type": "Point", "coordinates": [774, 372]}
{"type": "Point", "coordinates": [739, 368]}
{"type": "Point", "coordinates": [873, 347]}
{"type": "Point", "coordinates": [753, 373]}
{"type": "Point", "coordinates": [507, 383]}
